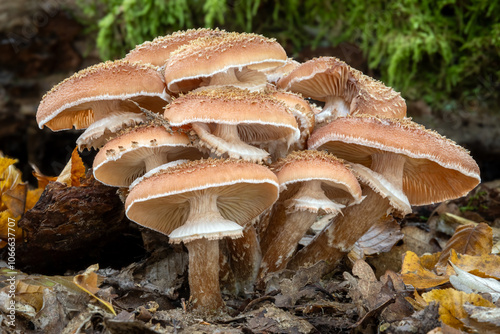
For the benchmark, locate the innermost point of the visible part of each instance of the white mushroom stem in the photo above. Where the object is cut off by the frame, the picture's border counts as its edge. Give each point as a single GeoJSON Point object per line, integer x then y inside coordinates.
{"type": "Point", "coordinates": [226, 140]}
{"type": "Point", "coordinates": [245, 260]}
{"type": "Point", "coordinates": [334, 107]}
{"type": "Point", "coordinates": [201, 233]}
{"type": "Point", "coordinates": [282, 238]}
{"type": "Point", "coordinates": [339, 237]}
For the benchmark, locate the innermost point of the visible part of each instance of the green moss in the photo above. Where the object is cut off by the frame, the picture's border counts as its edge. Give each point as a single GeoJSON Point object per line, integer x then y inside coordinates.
{"type": "Point", "coordinates": [439, 51]}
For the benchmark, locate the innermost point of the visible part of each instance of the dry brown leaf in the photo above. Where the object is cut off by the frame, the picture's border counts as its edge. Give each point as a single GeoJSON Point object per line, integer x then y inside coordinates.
{"type": "Point", "coordinates": [73, 171]}
{"type": "Point", "coordinates": [429, 261]}
{"type": "Point", "coordinates": [415, 274]}
{"type": "Point", "coordinates": [15, 199]}
{"type": "Point", "coordinates": [484, 320]}
{"type": "Point", "coordinates": [467, 282]}
{"type": "Point", "coordinates": [469, 240]}
{"type": "Point", "coordinates": [451, 304]}
{"type": "Point", "coordinates": [88, 282]}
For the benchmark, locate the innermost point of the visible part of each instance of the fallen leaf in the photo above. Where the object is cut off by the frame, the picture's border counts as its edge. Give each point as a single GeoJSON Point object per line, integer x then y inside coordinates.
{"type": "Point", "coordinates": [466, 282]}
{"type": "Point", "coordinates": [413, 273]}
{"type": "Point", "coordinates": [43, 180]}
{"type": "Point", "coordinates": [469, 240]}
{"type": "Point", "coordinates": [485, 320]}
{"type": "Point", "coordinates": [486, 266]}
{"type": "Point", "coordinates": [88, 282]}
{"type": "Point", "coordinates": [451, 304]}
{"type": "Point", "coordinates": [15, 199]}
{"type": "Point", "coordinates": [73, 171]}
{"type": "Point", "coordinates": [380, 238]}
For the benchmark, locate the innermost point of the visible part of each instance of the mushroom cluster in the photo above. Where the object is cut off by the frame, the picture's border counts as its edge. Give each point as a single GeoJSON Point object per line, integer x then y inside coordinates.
{"type": "Point", "coordinates": [217, 139]}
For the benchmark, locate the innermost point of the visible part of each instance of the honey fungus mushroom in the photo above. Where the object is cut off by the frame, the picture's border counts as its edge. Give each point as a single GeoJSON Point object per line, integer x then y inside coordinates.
{"type": "Point", "coordinates": [199, 203]}
{"type": "Point", "coordinates": [345, 91]}
{"type": "Point", "coordinates": [102, 99]}
{"type": "Point", "coordinates": [138, 150]}
{"type": "Point", "coordinates": [312, 183]}
{"type": "Point", "coordinates": [235, 59]}
{"type": "Point", "coordinates": [157, 51]}
{"type": "Point", "coordinates": [231, 122]}
{"type": "Point", "coordinates": [411, 160]}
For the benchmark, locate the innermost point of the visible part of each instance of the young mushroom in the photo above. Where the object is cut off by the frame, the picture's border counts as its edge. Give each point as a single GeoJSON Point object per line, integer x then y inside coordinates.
{"type": "Point", "coordinates": [139, 150]}
{"type": "Point", "coordinates": [408, 159]}
{"type": "Point", "coordinates": [199, 203]}
{"type": "Point", "coordinates": [232, 122]}
{"type": "Point", "coordinates": [234, 59]}
{"type": "Point", "coordinates": [101, 98]}
{"type": "Point", "coordinates": [312, 183]}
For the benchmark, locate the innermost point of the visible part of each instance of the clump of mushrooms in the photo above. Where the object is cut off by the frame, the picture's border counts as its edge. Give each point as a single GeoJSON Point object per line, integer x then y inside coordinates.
{"type": "Point", "coordinates": [243, 102]}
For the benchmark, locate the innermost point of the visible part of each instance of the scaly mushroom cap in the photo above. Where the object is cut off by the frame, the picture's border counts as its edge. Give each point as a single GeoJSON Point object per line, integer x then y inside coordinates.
{"type": "Point", "coordinates": [205, 57]}
{"type": "Point", "coordinates": [86, 96]}
{"type": "Point", "coordinates": [275, 74]}
{"type": "Point", "coordinates": [337, 180]}
{"type": "Point", "coordinates": [131, 154]}
{"type": "Point", "coordinates": [435, 168]}
{"type": "Point", "coordinates": [259, 117]}
{"type": "Point", "coordinates": [320, 78]}
{"type": "Point", "coordinates": [161, 202]}
{"type": "Point", "coordinates": [157, 51]}
{"type": "Point", "coordinates": [376, 99]}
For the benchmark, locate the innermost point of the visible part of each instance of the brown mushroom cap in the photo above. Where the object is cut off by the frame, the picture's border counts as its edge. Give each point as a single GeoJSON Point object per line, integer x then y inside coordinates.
{"type": "Point", "coordinates": [127, 156]}
{"type": "Point", "coordinates": [243, 189]}
{"type": "Point", "coordinates": [337, 181]}
{"type": "Point", "coordinates": [320, 78]}
{"type": "Point", "coordinates": [78, 101]}
{"type": "Point", "coordinates": [259, 118]}
{"type": "Point", "coordinates": [435, 168]}
{"type": "Point", "coordinates": [157, 51]}
{"type": "Point", "coordinates": [204, 57]}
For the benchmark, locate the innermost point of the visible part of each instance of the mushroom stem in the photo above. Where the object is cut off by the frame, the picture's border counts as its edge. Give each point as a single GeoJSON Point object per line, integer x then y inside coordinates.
{"type": "Point", "coordinates": [282, 238]}
{"type": "Point", "coordinates": [339, 237]}
{"type": "Point", "coordinates": [204, 220]}
{"type": "Point", "coordinates": [204, 274]}
{"type": "Point", "coordinates": [334, 107]}
{"type": "Point", "coordinates": [245, 260]}
{"type": "Point", "coordinates": [226, 140]}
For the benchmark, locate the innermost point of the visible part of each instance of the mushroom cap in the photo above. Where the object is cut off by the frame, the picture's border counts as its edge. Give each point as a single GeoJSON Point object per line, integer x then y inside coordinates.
{"type": "Point", "coordinates": [122, 159]}
{"type": "Point", "coordinates": [375, 98]}
{"type": "Point", "coordinates": [157, 51]}
{"type": "Point", "coordinates": [320, 78]}
{"type": "Point", "coordinates": [259, 117]}
{"type": "Point", "coordinates": [436, 169]}
{"type": "Point", "coordinates": [337, 180]}
{"type": "Point", "coordinates": [244, 190]}
{"type": "Point", "coordinates": [275, 74]}
{"type": "Point", "coordinates": [73, 101]}
{"type": "Point", "coordinates": [204, 57]}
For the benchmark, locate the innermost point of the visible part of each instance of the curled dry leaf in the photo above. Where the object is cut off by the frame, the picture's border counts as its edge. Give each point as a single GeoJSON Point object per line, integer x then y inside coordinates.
{"type": "Point", "coordinates": [486, 266]}
{"type": "Point", "coordinates": [415, 274]}
{"type": "Point", "coordinates": [380, 238]}
{"type": "Point", "coordinates": [466, 282]}
{"type": "Point", "coordinates": [451, 304]}
{"type": "Point", "coordinates": [469, 240]}
{"type": "Point", "coordinates": [88, 282]}
{"type": "Point", "coordinates": [73, 171]}
{"type": "Point", "coordinates": [485, 320]}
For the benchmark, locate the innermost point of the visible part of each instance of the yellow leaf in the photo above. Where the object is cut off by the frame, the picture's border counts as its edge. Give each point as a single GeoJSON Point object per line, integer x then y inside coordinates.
{"type": "Point", "coordinates": [451, 304]}
{"type": "Point", "coordinates": [429, 261]}
{"type": "Point", "coordinates": [88, 283]}
{"type": "Point", "coordinates": [486, 266]}
{"type": "Point", "coordinates": [73, 171]}
{"type": "Point", "coordinates": [32, 197]}
{"type": "Point", "coordinates": [415, 274]}
{"type": "Point", "coordinates": [5, 163]}
{"type": "Point", "coordinates": [7, 225]}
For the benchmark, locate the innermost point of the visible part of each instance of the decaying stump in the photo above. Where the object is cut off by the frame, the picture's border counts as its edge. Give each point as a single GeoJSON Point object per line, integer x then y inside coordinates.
{"type": "Point", "coordinates": [71, 227]}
